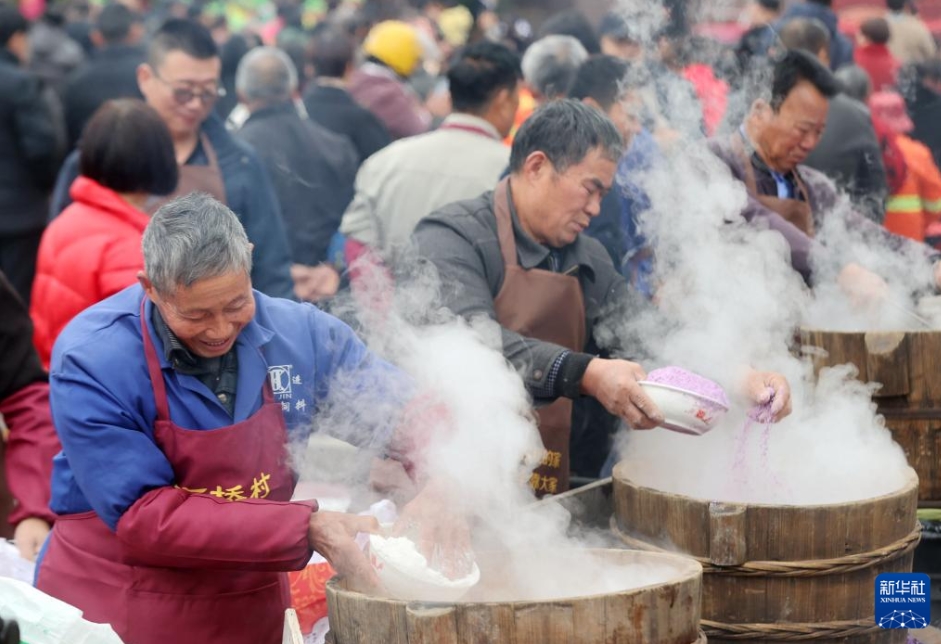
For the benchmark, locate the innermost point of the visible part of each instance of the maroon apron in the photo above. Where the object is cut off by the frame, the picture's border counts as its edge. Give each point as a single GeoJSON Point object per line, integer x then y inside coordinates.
{"type": "Point", "coordinates": [795, 211]}
{"type": "Point", "coordinates": [545, 306]}
{"type": "Point", "coordinates": [87, 566]}
{"type": "Point", "coordinates": [195, 178]}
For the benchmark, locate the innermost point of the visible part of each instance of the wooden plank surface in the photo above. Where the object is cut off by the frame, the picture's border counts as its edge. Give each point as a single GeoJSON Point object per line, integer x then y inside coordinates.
{"type": "Point", "coordinates": [928, 635]}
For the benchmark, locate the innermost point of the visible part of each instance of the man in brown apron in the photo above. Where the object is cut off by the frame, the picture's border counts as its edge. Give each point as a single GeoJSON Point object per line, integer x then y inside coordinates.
{"type": "Point", "coordinates": [519, 257]}
{"type": "Point", "coordinates": [767, 155]}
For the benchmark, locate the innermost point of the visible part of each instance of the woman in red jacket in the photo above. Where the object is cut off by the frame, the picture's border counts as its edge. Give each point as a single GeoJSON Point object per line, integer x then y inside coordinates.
{"type": "Point", "coordinates": [93, 249]}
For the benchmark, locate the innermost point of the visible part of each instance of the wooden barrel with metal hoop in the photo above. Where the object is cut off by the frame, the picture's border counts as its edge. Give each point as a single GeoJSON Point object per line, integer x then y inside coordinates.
{"type": "Point", "coordinates": [775, 572]}
{"type": "Point", "coordinates": [908, 366]}
{"type": "Point", "coordinates": [662, 613]}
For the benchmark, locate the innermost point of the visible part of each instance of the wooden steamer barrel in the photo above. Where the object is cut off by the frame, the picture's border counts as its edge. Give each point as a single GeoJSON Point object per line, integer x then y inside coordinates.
{"type": "Point", "coordinates": [779, 573]}
{"type": "Point", "coordinates": [664, 613]}
{"type": "Point", "coordinates": [908, 365]}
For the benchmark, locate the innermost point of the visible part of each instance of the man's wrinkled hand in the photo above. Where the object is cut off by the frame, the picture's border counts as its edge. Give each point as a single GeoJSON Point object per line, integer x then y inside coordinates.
{"type": "Point", "coordinates": [315, 283]}
{"type": "Point", "coordinates": [865, 289]}
{"type": "Point", "coordinates": [762, 387]}
{"type": "Point", "coordinates": [440, 533]}
{"type": "Point", "coordinates": [29, 536]}
{"type": "Point", "coordinates": [333, 535]}
{"type": "Point", "coordinates": [614, 383]}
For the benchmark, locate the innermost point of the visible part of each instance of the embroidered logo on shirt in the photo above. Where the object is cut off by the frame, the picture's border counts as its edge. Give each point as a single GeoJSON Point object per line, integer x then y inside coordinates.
{"type": "Point", "coordinates": [280, 378]}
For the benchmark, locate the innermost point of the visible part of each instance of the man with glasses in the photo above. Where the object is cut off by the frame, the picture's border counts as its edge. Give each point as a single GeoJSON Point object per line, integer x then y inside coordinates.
{"type": "Point", "coordinates": [180, 80]}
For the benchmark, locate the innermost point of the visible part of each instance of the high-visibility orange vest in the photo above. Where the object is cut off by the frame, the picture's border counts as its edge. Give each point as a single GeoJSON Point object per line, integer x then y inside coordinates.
{"type": "Point", "coordinates": [917, 204]}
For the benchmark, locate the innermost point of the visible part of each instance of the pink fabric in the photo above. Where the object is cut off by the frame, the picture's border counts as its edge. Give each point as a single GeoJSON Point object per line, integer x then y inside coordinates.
{"type": "Point", "coordinates": [713, 94]}
{"type": "Point", "coordinates": [390, 100]}
{"type": "Point", "coordinates": [89, 252]}
{"type": "Point", "coordinates": [29, 451]}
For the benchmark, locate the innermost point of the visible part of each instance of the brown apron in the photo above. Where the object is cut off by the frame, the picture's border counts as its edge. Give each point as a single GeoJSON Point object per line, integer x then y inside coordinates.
{"type": "Point", "coordinates": [545, 306]}
{"type": "Point", "coordinates": [795, 211]}
{"type": "Point", "coordinates": [195, 178]}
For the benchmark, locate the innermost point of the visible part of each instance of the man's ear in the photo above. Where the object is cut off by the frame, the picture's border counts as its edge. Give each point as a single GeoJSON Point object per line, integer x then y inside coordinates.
{"type": "Point", "coordinates": [536, 165]}
{"type": "Point", "coordinates": [147, 285]}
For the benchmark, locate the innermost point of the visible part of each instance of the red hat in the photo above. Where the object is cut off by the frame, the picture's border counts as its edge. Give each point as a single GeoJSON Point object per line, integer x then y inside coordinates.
{"type": "Point", "coordinates": [890, 108]}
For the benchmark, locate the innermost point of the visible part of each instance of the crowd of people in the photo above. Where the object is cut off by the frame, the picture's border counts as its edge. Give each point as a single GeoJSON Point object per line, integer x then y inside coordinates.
{"type": "Point", "coordinates": [182, 202]}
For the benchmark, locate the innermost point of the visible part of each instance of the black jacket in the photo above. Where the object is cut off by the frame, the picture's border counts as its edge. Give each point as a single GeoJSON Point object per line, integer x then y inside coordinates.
{"type": "Point", "coordinates": [849, 153]}
{"type": "Point", "coordinates": [110, 73]}
{"type": "Point", "coordinates": [335, 109]}
{"type": "Point", "coordinates": [28, 149]}
{"type": "Point", "coordinates": [924, 106]}
{"type": "Point", "coordinates": [19, 362]}
{"type": "Point", "coordinates": [313, 171]}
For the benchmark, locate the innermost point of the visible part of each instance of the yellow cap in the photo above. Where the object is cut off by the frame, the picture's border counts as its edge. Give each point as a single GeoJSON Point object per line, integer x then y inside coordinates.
{"type": "Point", "coordinates": [455, 24]}
{"type": "Point", "coordinates": [396, 44]}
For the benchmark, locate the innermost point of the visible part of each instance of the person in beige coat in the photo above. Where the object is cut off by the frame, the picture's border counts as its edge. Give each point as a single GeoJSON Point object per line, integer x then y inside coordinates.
{"type": "Point", "coordinates": [911, 41]}
{"type": "Point", "coordinates": [409, 179]}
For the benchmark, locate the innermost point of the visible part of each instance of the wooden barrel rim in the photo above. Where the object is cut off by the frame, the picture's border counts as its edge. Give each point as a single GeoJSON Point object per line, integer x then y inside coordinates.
{"type": "Point", "coordinates": [687, 569]}
{"type": "Point", "coordinates": [911, 484]}
{"type": "Point", "coordinates": [790, 631]}
{"type": "Point", "coordinates": [809, 568]}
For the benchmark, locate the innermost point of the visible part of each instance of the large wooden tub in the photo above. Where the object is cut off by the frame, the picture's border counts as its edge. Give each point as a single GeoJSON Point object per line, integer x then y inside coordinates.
{"type": "Point", "coordinates": [773, 573]}
{"type": "Point", "coordinates": [662, 613]}
{"type": "Point", "coordinates": [908, 365]}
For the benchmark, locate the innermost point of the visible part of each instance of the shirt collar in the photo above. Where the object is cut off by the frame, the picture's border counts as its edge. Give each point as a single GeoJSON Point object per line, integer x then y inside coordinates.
{"type": "Point", "coordinates": [462, 119]}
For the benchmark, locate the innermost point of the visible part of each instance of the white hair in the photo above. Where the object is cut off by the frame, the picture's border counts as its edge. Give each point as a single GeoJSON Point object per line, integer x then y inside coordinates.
{"type": "Point", "coordinates": [267, 75]}
{"type": "Point", "coordinates": [551, 63]}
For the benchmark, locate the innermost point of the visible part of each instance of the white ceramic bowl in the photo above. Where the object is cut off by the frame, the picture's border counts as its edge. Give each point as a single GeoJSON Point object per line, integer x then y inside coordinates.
{"type": "Point", "coordinates": [403, 585]}
{"type": "Point", "coordinates": [685, 411]}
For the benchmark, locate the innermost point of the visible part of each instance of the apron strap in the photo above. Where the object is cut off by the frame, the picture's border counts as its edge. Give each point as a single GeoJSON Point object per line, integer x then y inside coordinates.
{"type": "Point", "coordinates": [153, 367]}
{"type": "Point", "coordinates": [210, 151]}
{"type": "Point", "coordinates": [501, 210]}
{"type": "Point", "coordinates": [738, 145]}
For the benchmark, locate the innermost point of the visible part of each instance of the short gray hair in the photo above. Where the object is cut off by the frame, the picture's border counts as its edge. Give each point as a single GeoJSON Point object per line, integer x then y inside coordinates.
{"type": "Point", "coordinates": [267, 75]}
{"type": "Point", "coordinates": [551, 63]}
{"type": "Point", "coordinates": [855, 82]}
{"type": "Point", "coordinates": [566, 131]}
{"type": "Point", "coordinates": [193, 238]}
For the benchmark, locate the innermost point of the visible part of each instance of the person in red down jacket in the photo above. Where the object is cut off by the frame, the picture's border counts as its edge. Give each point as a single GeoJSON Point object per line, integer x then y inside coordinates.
{"type": "Point", "coordinates": [26, 425]}
{"type": "Point", "coordinates": [93, 249]}
{"type": "Point", "coordinates": [872, 54]}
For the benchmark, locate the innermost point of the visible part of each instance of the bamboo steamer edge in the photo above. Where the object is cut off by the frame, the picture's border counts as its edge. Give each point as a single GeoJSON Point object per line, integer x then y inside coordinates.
{"type": "Point", "coordinates": [665, 613]}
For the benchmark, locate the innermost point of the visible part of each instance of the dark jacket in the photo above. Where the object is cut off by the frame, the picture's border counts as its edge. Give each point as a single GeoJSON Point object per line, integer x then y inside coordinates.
{"type": "Point", "coordinates": [24, 403]}
{"type": "Point", "coordinates": [841, 47]}
{"type": "Point", "coordinates": [28, 149]}
{"type": "Point", "coordinates": [924, 106]}
{"type": "Point", "coordinates": [110, 73]}
{"type": "Point", "coordinates": [335, 109]}
{"type": "Point", "coordinates": [313, 171]}
{"type": "Point", "coordinates": [460, 241]}
{"type": "Point", "coordinates": [849, 153]}
{"type": "Point", "coordinates": [249, 194]}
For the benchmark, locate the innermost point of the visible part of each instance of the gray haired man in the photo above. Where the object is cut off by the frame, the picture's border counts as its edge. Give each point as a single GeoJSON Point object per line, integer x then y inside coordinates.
{"type": "Point", "coordinates": [550, 65]}
{"type": "Point", "coordinates": [313, 169]}
{"type": "Point", "coordinates": [517, 255]}
{"type": "Point", "coordinates": [174, 400]}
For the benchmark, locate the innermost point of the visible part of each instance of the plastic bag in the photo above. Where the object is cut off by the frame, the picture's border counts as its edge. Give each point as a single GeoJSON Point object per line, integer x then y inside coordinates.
{"type": "Point", "coordinates": [46, 620]}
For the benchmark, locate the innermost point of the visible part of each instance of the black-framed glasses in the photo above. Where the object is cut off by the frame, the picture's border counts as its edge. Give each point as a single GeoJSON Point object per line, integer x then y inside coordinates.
{"type": "Point", "coordinates": [183, 95]}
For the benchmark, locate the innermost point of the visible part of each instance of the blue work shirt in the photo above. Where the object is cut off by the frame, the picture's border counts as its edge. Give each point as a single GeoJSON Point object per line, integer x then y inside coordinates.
{"type": "Point", "coordinates": [103, 402]}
